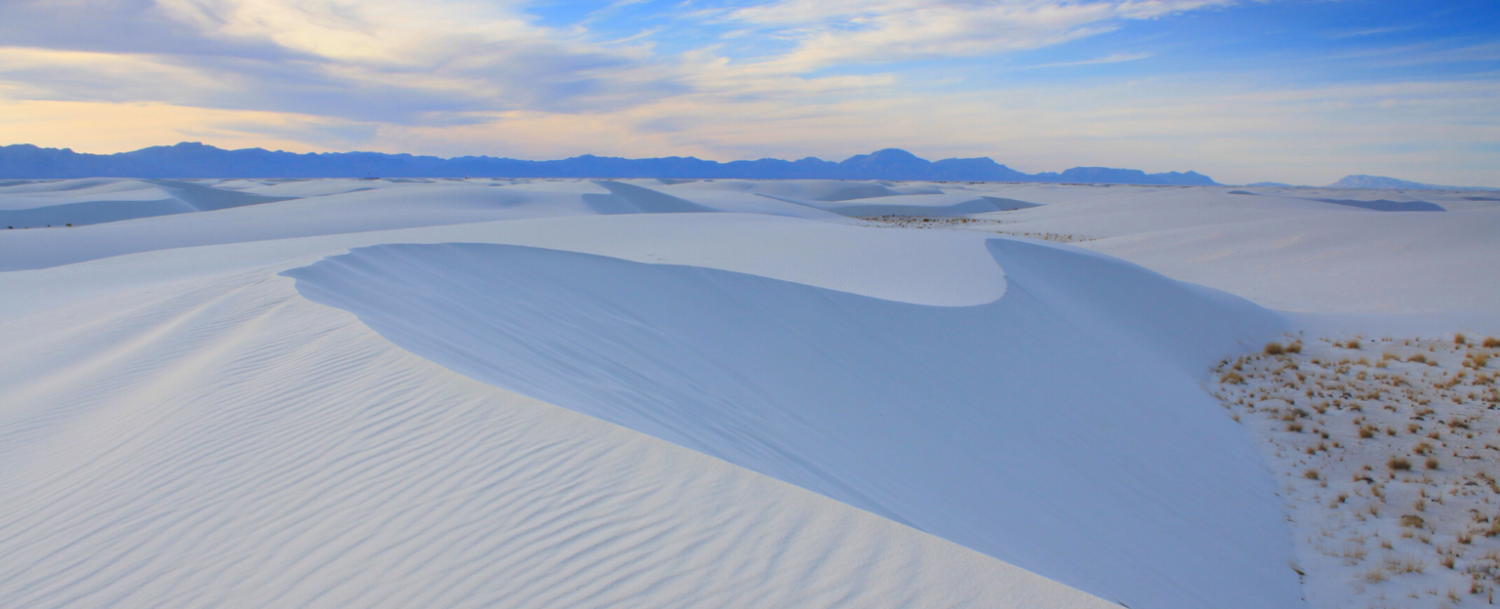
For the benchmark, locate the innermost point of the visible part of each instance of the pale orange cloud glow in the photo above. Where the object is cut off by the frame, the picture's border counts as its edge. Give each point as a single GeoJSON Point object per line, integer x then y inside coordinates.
{"type": "Point", "coordinates": [100, 127]}
{"type": "Point", "coordinates": [1041, 85]}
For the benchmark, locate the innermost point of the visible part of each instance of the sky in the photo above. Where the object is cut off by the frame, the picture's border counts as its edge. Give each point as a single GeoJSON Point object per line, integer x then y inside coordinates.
{"type": "Point", "coordinates": [1295, 91]}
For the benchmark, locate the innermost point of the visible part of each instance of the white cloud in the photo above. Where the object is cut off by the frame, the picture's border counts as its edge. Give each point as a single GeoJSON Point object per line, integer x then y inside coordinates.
{"type": "Point", "coordinates": [874, 31]}
{"type": "Point", "coordinates": [399, 61]}
{"type": "Point", "coordinates": [469, 77]}
{"type": "Point", "coordinates": [1114, 58]}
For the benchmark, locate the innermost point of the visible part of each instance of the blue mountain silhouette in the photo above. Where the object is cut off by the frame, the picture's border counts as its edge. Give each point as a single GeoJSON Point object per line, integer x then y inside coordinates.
{"type": "Point", "coordinates": [195, 160]}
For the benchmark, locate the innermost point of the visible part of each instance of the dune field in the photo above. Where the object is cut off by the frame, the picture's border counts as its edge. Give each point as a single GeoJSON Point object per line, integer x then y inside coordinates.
{"type": "Point", "coordinates": [802, 393]}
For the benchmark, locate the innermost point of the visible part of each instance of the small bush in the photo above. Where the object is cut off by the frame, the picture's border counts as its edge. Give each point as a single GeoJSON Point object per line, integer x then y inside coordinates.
{"type": "Point", "coordinates": [1492, 343]}
{"type": "Point", "coordinates": [1232, 378]}
{"type": "Point", "coordinates": [1406, 564]}
{"type": "Point", "coordinates": [1311, 474]}
{"type": "Point", "coordinates": [1459, 339]}
{"type": "Point", "coordinates": [1432, 463]}
{"type": "Point", "coordinates": [1295, 347]}
{"type": "Point", "coordinates": [1352, 344]}
{"type": "Point", "coordinates": [1398, 464]}
{"type": "Point", "coordinates": [1274, 348]}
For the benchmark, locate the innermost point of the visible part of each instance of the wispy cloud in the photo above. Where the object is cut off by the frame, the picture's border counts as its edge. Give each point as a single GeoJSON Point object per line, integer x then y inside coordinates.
{"type": "Point", "coordinates": [740, 79]}
{"type": "Point", "coordinates": [875, 31]}
{"type": "Point", "coordinates": [372, 60]}
{"type": "Point", "coordinates": [1115, 58]}
{"type": "Point", "coordinates": [1429, 52]}
{"type": "Point", "coordinates": [1375, 31]}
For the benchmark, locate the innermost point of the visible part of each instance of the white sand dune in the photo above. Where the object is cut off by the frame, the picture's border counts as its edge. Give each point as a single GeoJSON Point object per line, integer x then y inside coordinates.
{"type": "Point", "coordinates": [626, 198]}
{"type": "Point", "coordinates": [405, 205]}
{"type": "Point", "coordinates": [972, 423]}
{"type": "Point", "coordinates": [933, 205]}
{"type": "Point", "coordinates": [813, 190]}
{"type": "Point", "coordinates": [569, 393]}
{"type": "Point", "coordinates": [99, 200]}
{"type": "Point", "coordinates": [226, 443]}
{"type": "Point", "coordinates": [1341, 267]}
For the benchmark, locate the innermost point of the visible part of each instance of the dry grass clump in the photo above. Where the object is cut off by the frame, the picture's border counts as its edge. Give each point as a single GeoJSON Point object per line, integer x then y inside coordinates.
{"type": "Point", "coordinates": [970, 224]}
{"type": "Point", "coordinates": [1477, 360]}
{"type": "Point", "coordinates": [1274, 348]}
{"type": "Point", "coordinates": [1232, 378]}
{"type": "Point", "coordinates": [1404, 564]}
{"type": "Point", "coordinates": [1492, 343]}
{"type": "Point", "coordinates": [1399, 464]}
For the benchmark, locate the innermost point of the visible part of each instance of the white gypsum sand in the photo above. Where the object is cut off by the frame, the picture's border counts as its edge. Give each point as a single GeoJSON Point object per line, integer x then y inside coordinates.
{"type": "Point", "coordinates": [226, 443]}
{"type": "Point", "coordinates": [181, 425]}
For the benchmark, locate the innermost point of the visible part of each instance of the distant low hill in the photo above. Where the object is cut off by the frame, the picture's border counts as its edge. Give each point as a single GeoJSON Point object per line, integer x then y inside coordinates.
{"type": "Point", "coordinates": [1383, 183]}
{"type": "Point", "coordinates": [194, 160]}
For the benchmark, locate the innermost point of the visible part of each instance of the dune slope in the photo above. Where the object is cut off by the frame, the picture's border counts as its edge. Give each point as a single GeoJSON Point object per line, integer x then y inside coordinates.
{"type": "Point", "coordinates": [1061, 428]}
{"type": "Point", "coordinates": [97, 201]}
{"type": "Point", "coordinates": [226, 443]}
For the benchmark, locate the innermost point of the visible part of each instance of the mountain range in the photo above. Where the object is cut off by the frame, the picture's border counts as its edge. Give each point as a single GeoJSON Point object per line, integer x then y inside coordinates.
{"type": "Point", "coordinates": [1384, 183]}
{"type": "Point", "coordinates": [196, 160]}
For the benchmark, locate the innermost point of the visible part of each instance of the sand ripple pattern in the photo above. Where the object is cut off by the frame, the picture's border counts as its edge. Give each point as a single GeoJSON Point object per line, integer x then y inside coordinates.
{"type": "Point", "coordinates": [225, 443]}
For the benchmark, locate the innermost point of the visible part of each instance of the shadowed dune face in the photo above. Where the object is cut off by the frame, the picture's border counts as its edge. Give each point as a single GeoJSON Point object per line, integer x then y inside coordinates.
{"type": "Point", "coordinates": [631, 199]}
{"type": "Point", "coordinates": [100, 200]}
{"type": "Point", "coordinates": [1386, 205]}
{"type": "Point", "coordinates": [1015, 428]}
{"type": "Point", "coordinates": [927, 204]}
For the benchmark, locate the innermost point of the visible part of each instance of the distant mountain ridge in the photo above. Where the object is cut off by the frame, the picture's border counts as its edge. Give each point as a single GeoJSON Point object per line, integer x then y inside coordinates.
{"type": "Point", "coordinates": [196, 160]}
{"type": "Point", "coordinates": [1384, 183]}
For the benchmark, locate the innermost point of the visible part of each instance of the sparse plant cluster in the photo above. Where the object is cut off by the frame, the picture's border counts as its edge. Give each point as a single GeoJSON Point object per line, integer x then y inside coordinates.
{"type": "Point", "coordinates": [1387, 451]}
{"type": "Point", "coordinates": [988, 226]}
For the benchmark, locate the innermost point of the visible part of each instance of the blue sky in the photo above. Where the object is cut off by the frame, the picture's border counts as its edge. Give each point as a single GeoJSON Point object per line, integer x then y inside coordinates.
{"type": "Point", "coordinates": [1242, 90]}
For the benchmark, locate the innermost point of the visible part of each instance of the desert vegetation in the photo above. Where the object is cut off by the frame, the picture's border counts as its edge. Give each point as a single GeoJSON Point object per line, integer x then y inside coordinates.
{"type": "Point", "coordinates": [956, 223]}
{"type": "Point", "coordinates": [1386, 452]}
